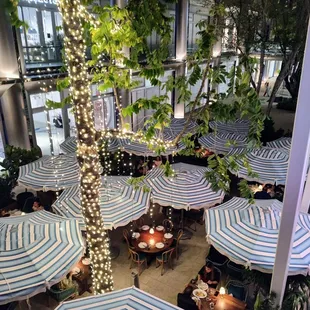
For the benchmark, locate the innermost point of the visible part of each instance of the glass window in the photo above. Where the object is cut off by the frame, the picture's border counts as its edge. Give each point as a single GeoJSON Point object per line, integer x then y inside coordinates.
{"type": "Point", "coordinates": [47, 27]}
{"type": "Point", "coordinates": [32, 33]}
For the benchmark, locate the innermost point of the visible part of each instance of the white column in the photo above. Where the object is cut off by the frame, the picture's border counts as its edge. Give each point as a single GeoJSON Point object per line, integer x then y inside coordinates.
{"type": "Point", "coordinates": [306, 196]}
{"type": "Point", "coordinates": [8, 62]}
{"type": "Point", "coordinates": [181, 24]}
{"type": "Point", "coordinates": [295, 180]}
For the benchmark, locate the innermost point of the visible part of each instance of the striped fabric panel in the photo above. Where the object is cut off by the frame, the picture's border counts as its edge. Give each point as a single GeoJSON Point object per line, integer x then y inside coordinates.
{"type": "Point", "coordinates": [221, 142]}
{"type": "Point", "coordinates": [69, 145]}
{"type": "Point", "coordinates": [129, 299]}
{"type": "Point", "coordinates": [50, 173]}
{"type": "Point", "coordinates": [176, 127]}
{"type": "Point", "coordinates": [39, 263]}
{"type": "Point", "coordinates": [142, 149]}
{"type": "Point", "coordinates": [185, 191]}
{"type": "Point", "coordinates": [240, 126]}
{"type": "Point", "coordinates": [248, 234]}
{"type": "Point", "coordinates": [281, 143]}
{"type": "Point", "coordinates": [270, 164]}
{"type": "Point", "coordinates": [120, 203]}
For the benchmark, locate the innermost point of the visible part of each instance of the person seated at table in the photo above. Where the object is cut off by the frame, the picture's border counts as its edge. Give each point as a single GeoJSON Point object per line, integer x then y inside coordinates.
{"type": "Point", "coordinates": [66, 283]}
{"type": "Point", "coordinates": [37, 206]}
{"type": "Point", "coordinates": [186, 302]}
{"type": "Point", "coordinates": [157, 161]}
{"type": "Point", "coordinates": [263, 194]}
{"type": "Point", "coordinates": [209, 275]}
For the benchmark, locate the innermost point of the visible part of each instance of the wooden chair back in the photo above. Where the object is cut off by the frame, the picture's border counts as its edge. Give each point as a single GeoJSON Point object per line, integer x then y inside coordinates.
{"type": "Point", "coordinates": [180, 234]}
{"type": "Point", "coordinates": [135, 256]}
{"type": "Point", "coordinates": [139, 222]}
{"type": "Point", "coordinates": [168, 225]}
{"type": "Point", "coordinates": [166, 256]}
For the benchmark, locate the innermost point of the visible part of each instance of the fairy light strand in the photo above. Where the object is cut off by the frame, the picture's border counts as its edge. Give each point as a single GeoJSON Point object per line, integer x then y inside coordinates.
{"type": "Point", "coordinates": [73, 13]}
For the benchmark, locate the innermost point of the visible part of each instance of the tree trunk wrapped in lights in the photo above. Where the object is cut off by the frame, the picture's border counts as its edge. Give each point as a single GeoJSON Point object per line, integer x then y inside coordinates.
{"type": "Point", "coordinates": [73, 14]}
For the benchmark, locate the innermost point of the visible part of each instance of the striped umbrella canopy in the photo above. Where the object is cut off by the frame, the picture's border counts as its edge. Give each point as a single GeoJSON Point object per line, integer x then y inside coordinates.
{"type": "Point", "coordinates": [70, 145]}
{"type": "Point", "coordinates": [128, 298]}
{"type": "Point", "coordinates": [142, 149]}
{"type": "Point", "coordinates": [270, 164]}
{"type": "Point", "coordinates": [176, 127]}
{"type": "Point", "coordinates": [36, 251]}
{"type": "Point", "coordinates": [50, 173]}
{"type": "Point", "coordinates": [222, 142]}
{"type": "Point", "coordinates": [239, 126]}
{"type": "Point", "coordinates": [186, 190]}
{"type": "Point", "coordinates": [281, 143]}
{"type": "Point", "coordinates": [119, 203]}
{"type": "Point", "coordinates": [248, 234]}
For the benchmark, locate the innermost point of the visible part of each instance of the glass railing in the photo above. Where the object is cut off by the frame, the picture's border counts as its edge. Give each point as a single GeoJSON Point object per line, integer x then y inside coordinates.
{"type": "Point", "coordinates": [42, 54]}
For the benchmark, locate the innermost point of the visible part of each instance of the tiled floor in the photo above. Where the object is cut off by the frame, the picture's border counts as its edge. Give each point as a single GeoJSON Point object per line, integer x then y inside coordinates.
{"type": "Point", "coordinates": [172, 282]}
{"type": "Point", "coordinates": [192, 258]}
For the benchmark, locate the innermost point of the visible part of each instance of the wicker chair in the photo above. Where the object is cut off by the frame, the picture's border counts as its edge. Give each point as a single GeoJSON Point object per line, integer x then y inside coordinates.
{"type": "Point", "coordinates": [176, 243]}
{"type": "Point", "coordinates": [164, 258]}
{"type": "Point", "coordinates": [127, 238]}
{"type": "Point", "coordinates": [62, 295]}
{"type": "Point", "coordinates": [168, 225]}
{"type": "Point", "coordinates": [137, 258]}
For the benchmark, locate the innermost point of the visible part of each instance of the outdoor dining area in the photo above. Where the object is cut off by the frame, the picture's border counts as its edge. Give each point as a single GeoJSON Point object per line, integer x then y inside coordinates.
{"type": "Point", "coordinates": [175, 243]}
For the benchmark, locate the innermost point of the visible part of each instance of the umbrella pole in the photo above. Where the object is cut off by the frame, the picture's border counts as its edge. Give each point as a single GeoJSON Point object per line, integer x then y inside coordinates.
{"type": "Point", "coordinates": [114, 250]}
{"type": "Point", "coordinates": [186, 233]}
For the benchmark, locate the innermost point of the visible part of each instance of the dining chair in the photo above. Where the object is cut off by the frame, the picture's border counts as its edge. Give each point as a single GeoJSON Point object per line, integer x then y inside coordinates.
{"type": "Point", "coordinates": [138, 223]}
{"type": "Point", "coordinates": [127, 238]}
{"type": "Point", "coordinates": [168, 225]}
{"type": "Point", "coordinates": [176, 243]}
{"type": "Point", "coordinates": [217, 258]}
{"type": "Point", "coordinates": [164, 258]}
{"type": "Point", "coordinates": [234, 270]}
{"type": "Point", "coordinates": [237, 289]}
{"type": "Point", "coordinates": [138, 258]}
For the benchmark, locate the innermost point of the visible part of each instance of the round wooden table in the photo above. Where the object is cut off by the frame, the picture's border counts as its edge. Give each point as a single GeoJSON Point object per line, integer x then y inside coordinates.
{"type": "Point", "coordinates": [146, 237]}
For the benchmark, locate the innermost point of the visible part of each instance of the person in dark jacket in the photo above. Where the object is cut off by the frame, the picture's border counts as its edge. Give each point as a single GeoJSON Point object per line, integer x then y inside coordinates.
{"type": "Point", "coordinates": [209, 275]}
{"type": "Point", "coordinates": [185, 300]}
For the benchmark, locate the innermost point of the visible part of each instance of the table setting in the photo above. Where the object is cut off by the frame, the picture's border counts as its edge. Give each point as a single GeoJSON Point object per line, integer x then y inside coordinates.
{"type": "Point", "coordinates": [151, 239]}
{"type": "Point", "coordinates": [212, 299]}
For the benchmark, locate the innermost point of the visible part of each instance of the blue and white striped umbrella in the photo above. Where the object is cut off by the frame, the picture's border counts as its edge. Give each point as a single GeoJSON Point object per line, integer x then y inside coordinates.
{"type": "Point", "coordinates": [176, 127]}
{"type": "Point", "coordinates": [281, 143]}
{"type": "Point", "coordinates": [248, 234]}
{"type": "Point", "coordinates": [143, 149]}
{"type": "Point", "coordinates": [119, 204]}
{"type": "Point", "coordinates": [50, 173]}
{"type": "Point", "coordinates": [36, 251]}
{"type": "Point", "coordinates": [222, 142]}
{"type": "Point", "coordinates": [240, 126]}
{"type": "Point", "coordinates": [70, 146]}
{"type": "Point", "coordinates": [186, 190]}
{"type": "Point", "coordinates": [270, 164]}
{"type": "Point", "coordinates": [128, 298]}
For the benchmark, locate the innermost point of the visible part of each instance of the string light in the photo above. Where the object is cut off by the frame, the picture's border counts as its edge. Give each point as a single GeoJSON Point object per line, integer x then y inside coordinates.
{"type": "Point", "coordinates": [73, 13]}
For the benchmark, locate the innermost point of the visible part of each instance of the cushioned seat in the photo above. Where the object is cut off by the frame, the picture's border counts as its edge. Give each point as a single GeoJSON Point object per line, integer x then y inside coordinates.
{"type": "Point", "coordinates": [61, 295]}
{"type": "Point", "coordinates": [234, 270]}
{"type": "Point", "coordinates": [237, 289]}
{"type": "Point", "coordinates": [216, 257]}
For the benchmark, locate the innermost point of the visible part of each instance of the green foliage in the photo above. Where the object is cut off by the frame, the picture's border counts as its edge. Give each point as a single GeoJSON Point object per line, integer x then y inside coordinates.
{"type": "Point", "coordinates": [138, 182]}
{"type": "Point", "coordinates": [10, 7]}
{"type": "Point", "coordinates": [16, 157]}
{"type": "Point", "coordinates": [168, 171]}
{"type": "Point", "coordinates": [50, 104]}
{"type": "Point", "coordinates": [245, 191]}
